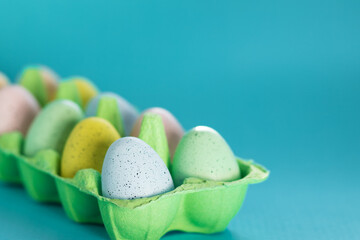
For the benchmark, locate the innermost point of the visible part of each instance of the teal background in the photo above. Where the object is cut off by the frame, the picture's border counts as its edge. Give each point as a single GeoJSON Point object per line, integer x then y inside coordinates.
{"type": "Point", "coordinates": [280, 80]}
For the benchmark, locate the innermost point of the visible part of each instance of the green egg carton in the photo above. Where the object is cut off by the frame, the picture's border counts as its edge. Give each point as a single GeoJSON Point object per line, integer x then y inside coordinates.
{"type": "Point", "coordinates": [79, 196]}
{"type": "Point", "coordinates": [39, 183]}
{"type": "Point", "coordinates": [10, 146]}
{"type": "Point", "coordinates": [197, 205]}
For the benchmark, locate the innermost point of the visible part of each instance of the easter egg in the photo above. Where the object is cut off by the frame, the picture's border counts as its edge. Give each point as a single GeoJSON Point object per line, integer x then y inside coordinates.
{"type": "Point", "coordinates": [41, 81]}
{"type": "Point", "coordinates": [153, 133]}
{"type": "Point", "coordinates": [18, 108]}
{"type": "Point", "coordinates": [173, 129]}
{"type": "Point", "coordinates": [132, 169]}
{"type": "Point", "coordinates": [128, 114]}
{"type": "Point", "coordinates": [3, 80]}
{"type": "Point", "coordinates": [87, 145]}
{"type": "Point", "coordinates": [108, 109]}
{"type": "Point", "coordinates": [52, 126]}
{"type": "Point", "coordinates": [203, 153]}
{"type": "Point", "coordinates": [77, 89]}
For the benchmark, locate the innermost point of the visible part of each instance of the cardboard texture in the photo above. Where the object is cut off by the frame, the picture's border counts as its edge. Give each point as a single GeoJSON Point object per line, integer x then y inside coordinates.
{"type": "Point", "coordinates": [196, 206]}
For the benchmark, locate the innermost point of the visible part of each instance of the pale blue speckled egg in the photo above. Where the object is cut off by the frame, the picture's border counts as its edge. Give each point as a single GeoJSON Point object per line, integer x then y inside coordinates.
{"type": "Point", "coordinates": [132, 169]}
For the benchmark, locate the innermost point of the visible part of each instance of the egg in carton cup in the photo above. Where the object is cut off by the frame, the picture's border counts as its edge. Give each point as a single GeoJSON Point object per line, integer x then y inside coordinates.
{"type": "Point", "coordinates": [41, 81]}
{"type": "Point", "coordinates": [77, 89]}
{"type": "Point", "coordinates": [196, 206]}
{"type": "Point", "coordinates": [203, 198]}
{"type": "Point", "coordinates": [37, 85]}
{"type": "Point", "coordinates": [18, 108]}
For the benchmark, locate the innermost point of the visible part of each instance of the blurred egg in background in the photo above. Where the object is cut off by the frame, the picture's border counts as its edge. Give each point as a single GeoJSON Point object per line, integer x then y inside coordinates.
{"type": "Point", "coordinates": [3, 80]}
{"type": "Point", "coordinates": [173, 129]}
{"type": "Point", "coordinates": [41, 81]}
{"type": "Point", "coordinates": [18, 108]}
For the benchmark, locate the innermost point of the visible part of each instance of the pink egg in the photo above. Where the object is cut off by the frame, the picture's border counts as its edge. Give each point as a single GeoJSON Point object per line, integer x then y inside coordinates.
{"type": "Point", "coordinates": [18, 108]}
{"type": "Point", "coordinates": [173, 129]}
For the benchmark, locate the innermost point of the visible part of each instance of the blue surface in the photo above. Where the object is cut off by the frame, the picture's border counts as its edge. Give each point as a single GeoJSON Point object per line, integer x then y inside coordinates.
{"type": "Point", "coordinates": [280, 80]}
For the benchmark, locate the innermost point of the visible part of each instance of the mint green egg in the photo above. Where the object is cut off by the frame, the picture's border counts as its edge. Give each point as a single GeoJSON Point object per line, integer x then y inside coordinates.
{"type": "Point", "coordinates": [203, 153]}
{"type": "Point", "coordinates": [52, 126]}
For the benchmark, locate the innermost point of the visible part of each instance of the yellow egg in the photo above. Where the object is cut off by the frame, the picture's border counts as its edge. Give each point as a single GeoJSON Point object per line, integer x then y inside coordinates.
{"type": "Point", "coordinates": [87, 90]}
{"type": "Point", "coordinates": [87, 145]}
{"type": "Point", "coordinates": [77, 89]}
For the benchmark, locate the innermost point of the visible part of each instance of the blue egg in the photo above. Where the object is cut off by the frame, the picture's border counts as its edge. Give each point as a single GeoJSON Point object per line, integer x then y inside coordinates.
{"type": "Point", "coordinates": [132, 169]}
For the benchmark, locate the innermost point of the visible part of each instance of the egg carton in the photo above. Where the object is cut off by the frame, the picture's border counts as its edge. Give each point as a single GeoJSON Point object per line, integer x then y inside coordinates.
{"type": "Point", "coordinates": [197, 205]}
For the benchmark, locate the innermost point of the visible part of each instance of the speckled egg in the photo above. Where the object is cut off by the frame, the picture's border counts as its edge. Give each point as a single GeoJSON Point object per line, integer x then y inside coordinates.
{"type": "Point", "coordinates": [4, 80]}
{"type": "Point", "coordinates": [18, 108]}
{"type": "Point", "coordinates": [41, 81]}
{"type": "Point", "coordinates": [87, 145]}
{"type": "Point", "coordinates": [77, 89]}
{"type": "Point", "coordinates": [203, 153]}
{"type": "Point", "coordinates": [132, 169]}
{"type": "Point", "coordinates": [128, 112]}
{"type": "Point", "coordinates": [52, 126]}
{"type": "Point", "coordinates": [173, 129]}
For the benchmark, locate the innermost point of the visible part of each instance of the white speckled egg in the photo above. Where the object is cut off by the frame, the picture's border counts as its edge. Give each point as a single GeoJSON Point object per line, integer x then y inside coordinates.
{"type": "Point", "coordinates": [132, 169]}
{"type": "Point", "coordinates": [128, 112]}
